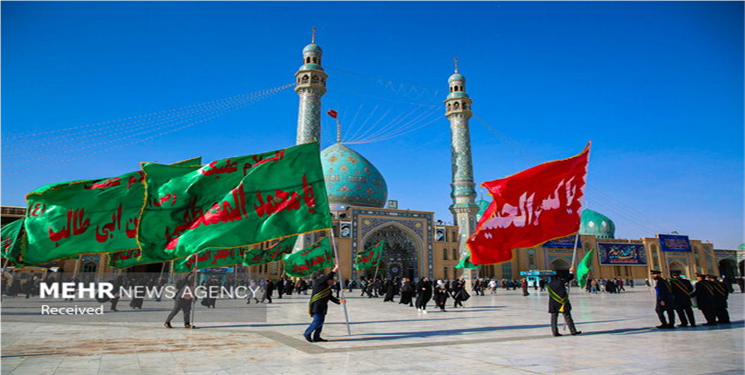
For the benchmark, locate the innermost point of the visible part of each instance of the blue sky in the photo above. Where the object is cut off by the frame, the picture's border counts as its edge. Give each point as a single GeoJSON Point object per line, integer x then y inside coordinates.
{"type": "Point", "coordinates": [657, 87]}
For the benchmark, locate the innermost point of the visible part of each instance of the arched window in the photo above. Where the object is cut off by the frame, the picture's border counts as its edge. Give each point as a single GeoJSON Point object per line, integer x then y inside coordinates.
{"type": "Point", "coordinates": [445, 254]}
{"type": "Point", "coordinates": [314, 79]}
{"type": "Point", "coordinates": [307, 60]}
{"type": "Point", "coordinates": [305, 79]}
{"type": "Point", "coordinates": [449, 106]}
{"type": "Point", "coordinates": [455, 254]}
{"type": "Point", "coordinates": [456, 105]}
{"type": "Point", "coordinates": [445, 273]}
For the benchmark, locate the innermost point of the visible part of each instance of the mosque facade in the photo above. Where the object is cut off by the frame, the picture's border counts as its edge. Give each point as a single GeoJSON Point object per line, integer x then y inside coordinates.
{"type": "Point", "coordinates": [417, 245]}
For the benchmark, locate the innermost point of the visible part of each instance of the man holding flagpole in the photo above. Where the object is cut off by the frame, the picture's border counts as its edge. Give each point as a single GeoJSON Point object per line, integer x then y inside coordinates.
{"type": "Point", "coordinates": [318, 305]}
{"type": "Point", "coordinates": [558, 302]}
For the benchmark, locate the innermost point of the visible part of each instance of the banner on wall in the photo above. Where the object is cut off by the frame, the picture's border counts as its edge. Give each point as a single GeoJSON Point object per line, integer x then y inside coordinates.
{"type": "Point", "coordinates": [567, 241]}
{"type": "Point", "coordinates": [622, 254]}
{"type": "Point", "coordinates": [671, 242]}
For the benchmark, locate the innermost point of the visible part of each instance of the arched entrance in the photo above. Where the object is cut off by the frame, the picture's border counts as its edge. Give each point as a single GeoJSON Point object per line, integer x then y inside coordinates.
{"type": "Point", "coordinates": [401, 252]}
{"type": "Point", "coordinates": [679, 267]}
{"type": "Point", "coordinates": [561, 267]}
{"type": "Point", "coordinates": [89, 271]}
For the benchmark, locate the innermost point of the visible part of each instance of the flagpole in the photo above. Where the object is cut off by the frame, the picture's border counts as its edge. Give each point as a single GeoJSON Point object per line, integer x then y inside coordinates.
{"type": "Point", "coordinates": [574, 254]}
{"type": "Point", "coordinates": [341, 282]}
{"type": "Point", "coordinates": [196, 284]}
{"type": "Point", "coordinates": [3, 272]}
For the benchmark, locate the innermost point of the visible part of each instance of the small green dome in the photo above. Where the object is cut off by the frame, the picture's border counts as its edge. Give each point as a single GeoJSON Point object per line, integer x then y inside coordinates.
{"type": "Point", "coordinates": [456, 77]}
{"type": "Point", "coordinates": [741, 247]}
{"type": "Point", "coordinates": [312, 48]}
{"type": "Point", "coordinates": [351, 180]}
{"type": "Point", "coordinates": [482, 207]}
{"type": "Point", "coordinates": [597, 224]}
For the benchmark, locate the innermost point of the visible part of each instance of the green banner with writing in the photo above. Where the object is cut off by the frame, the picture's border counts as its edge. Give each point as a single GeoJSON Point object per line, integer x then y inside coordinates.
{"type": "Point", "coordinates": [11, 239]}
{"type": "Point", "coordinates": [233, 202]}
{"type": "Point", "coordinates": [275, 252]}
{"type": "Point", "coordinates": [370, 257]}
{"type": "Point", "coordinates": [84, 217]}
{"type": "Point", "coordinates": [309, 260]}
{"type": "Point", "coordinates": [210, 258]}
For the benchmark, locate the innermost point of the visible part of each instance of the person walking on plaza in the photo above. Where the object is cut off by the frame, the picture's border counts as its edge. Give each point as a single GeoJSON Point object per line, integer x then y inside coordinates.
{"type": "Point", "coordinates": [117, 284]}
{"type": "Point", "coordinates": [721, 292]}
{"type": "Point", "coordinates": [182, 301]}
{"type": "Point", "coordinates": [681, 290]}
{"type": "Point", "coordinates": [268, 290]}
{"type": "Point", "coordinates": [423, 294]}
{"type": "Point", "coordinates": [280, 286]}
{"type": "Point", "coordinates": [407, 291]}
{"type": "Point", "coordinates": [558, 302]}
{"type": "Point", "coordinates": [459, 293]}
{"type": "Point", "coordinates": [318, 305]}
{"type": "Point", "coordinates": [664, 302]}
{"type": "Point", "coordinates": [389, 288]}
{"type": "Point", "coordinates": [441, 295]}
{"type": "Point", "coordinates": [524, 285]}
{"type": "Point", "coordinates": [704, 294]}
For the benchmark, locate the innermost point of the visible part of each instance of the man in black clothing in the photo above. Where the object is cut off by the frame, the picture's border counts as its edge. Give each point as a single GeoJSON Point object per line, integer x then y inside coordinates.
{"type": "Point", "coordinates": [182, 301]}
{"type": "Point", "coordinates": [720, 292]}
{"type": "Point", "coordinates": [558, 302]}
{"type": "Point", "coordinates": [704, 294]}
{"type": "Point", "coordinates": [318, 305]}
{"type": "Point", "coordinates": [681, 290]}
{"type": "Point", "coordinates": [268, 290]}
{"type": "Point", "coordinates": [664, 302]}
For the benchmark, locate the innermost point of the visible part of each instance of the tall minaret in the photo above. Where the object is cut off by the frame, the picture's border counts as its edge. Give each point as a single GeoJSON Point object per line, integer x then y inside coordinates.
{"type": "Point", "coordinates": [458, 111]}
{"type": "Point", "coordinates": [310, 85]}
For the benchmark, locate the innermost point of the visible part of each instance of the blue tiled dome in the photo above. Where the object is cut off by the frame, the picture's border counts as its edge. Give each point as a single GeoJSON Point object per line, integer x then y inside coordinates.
{"type": "Point", "coordinates": [351, 180]}
{"type": "Point", "coordinates": [456, 77]}
{"type": "Point", "coordinates": [597, 224]}
{"type": "Point", "coordinates": [312, 47]}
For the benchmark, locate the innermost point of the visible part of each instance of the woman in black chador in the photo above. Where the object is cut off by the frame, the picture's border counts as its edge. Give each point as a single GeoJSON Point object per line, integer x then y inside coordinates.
{"type": "Point", "coordinates": [390, 289]}
{"type": "Point", "coordinates": [407, 291]}
{"type": "Point", "coordinates": [441, 295]}
{"type": "Point", "coordinates": [424, 294]}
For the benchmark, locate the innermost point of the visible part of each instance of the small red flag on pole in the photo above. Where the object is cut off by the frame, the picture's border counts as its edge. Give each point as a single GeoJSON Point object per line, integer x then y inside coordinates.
{"type": "Point", "coordinates": [333, 113]}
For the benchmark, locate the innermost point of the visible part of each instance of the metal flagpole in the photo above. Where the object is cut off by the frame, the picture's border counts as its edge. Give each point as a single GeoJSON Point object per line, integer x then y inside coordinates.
{"type": "Point", "coordinates": [196, 284]}
{"type": "Point", "coordinates": [77, 266]}
{"type": "Point", "coordinates": [3, 272]}
{"type": "Point", "coordinates": [574, 258]}
{"type": "Point", "coordinates": [341, 282]}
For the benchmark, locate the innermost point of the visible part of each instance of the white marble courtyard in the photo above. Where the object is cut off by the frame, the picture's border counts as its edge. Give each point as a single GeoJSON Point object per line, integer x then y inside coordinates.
{"type": "Point", "coordinates": [504, 334]}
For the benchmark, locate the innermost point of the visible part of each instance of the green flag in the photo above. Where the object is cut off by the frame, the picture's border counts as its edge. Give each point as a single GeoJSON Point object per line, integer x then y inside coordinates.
{"type": "Point", "coordinates": [465, 262]}
{"type": "Point", "coordinates": [210, 258]}
{"type": "Point", "coordinates": [309, 260]}
{"type": "Point", "coordinates": [584, 267]}
{"type": "Point", "coordinates": [130, 258]}
{"type": "Point", "coordinates": [11, 238]}
{"type": "Point", "coordinates": [275, 252]}
{"type": "Point", "coordinates": [370, 257]}
{"type": "Point", "coordinates": [84, 217]}
{"type": "Point", "coordinates": [233, 202]}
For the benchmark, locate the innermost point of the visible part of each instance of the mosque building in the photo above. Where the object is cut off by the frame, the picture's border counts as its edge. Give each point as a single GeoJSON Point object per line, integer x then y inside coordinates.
{"type": "Point", "coordinates": [416, 245]}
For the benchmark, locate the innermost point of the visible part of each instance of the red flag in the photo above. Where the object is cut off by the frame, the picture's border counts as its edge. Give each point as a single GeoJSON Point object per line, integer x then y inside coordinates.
{"type": "Point", "coordinates": [333, 113]}
{"type": "Point", "coordinates": [531, 207]}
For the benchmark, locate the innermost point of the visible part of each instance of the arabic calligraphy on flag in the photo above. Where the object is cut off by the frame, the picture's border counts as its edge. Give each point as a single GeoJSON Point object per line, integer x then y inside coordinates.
{"type": "Point", "coordinates": [88, 216]}
{"type": "Point", "coordinates": [11, 237]}
{"type": "Point", "coordinates": [275, 252]}
{"type": "Point", "coordinates": [370, 257]}
{"type": "Point", "coordinates": [210, 258]}
{"type": "Point", "coordinates": [530, 207]}
{"type": "Point", "coordinates": [233, 202]}
{"type": "Point", "coordinates": [309, 260]}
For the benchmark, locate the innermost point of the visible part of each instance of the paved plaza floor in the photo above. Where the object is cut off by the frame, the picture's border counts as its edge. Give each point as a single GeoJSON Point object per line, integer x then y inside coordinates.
{"type": "Point", "coordinates": [495, 334]}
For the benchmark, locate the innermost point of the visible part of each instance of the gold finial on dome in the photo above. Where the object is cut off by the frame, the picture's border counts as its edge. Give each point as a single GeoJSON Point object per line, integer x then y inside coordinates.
{"type": "Point", "coordinates": [313, 37]}
{"type": "Point", "coordinates": [455, 61]}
